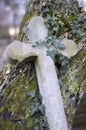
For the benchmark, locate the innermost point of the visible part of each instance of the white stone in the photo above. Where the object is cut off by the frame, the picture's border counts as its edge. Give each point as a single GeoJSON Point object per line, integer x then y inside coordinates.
{"type": "Point", "coordinates": [47, 80]}
{"type": "Point", "coordinates": [71, 48]}
{"type": "Point", "coordinates": [82, 3]}
{"type": "Point", "coordinates": [36, 30]}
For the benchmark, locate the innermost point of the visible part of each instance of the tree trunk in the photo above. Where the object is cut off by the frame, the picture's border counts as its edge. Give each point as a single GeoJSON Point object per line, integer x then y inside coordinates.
{"type": "Point", "coordinates": [20, 102]}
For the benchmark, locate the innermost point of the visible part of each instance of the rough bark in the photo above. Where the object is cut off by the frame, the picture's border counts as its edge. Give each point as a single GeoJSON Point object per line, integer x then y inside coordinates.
{"type": "Point", "coordinates": [73, 90]}
{"type": "Point", "coordinates": [12, 108]}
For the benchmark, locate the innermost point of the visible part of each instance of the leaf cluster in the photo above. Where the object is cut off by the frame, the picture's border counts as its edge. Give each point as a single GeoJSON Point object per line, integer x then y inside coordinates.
{"type": "Point", "coordinates": [61, 17]}
{"type": "Point", "coordinates": [20, 96]}
{"type": "Point", "coordinates": [37, 111]}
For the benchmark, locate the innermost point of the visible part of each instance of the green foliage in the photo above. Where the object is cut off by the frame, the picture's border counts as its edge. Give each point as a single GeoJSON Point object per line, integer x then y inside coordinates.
{"type": "Point", "coordinates": [74, 83]}
{"type": "Point", "coordinates": [63, 20]}
{"type": "Point", "coordinates": [20, 102]}
{"type": "Point", "coordinates": [52, 54]}
{"type": "Point", "coordinates": [60, 17]}
{"type": "Point", "coordinates": [61, 46]}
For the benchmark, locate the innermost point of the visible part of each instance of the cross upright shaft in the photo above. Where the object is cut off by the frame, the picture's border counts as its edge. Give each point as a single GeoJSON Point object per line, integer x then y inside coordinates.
{"type": "Point", "coordinates": [48, 84]}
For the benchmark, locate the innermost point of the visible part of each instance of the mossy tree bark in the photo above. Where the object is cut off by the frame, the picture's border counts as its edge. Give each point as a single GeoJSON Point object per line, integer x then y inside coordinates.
{"type": "Point", "coordinates": [19, 99]}
{"type": "Point", "coordinates": [20, 102]}
{"type": "Point", "coordinates": [67, 15]}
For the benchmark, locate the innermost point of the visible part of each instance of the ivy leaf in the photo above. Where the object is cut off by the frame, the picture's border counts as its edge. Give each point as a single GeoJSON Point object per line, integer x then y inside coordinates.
{"type": "Point", "coordinates": [36, 128]}
{"type": "Point", "coordinates": [61, 46]}
{"type": "Point", "coordinates": [55, 29]}
{"type": "Point", "coordinates": [36, 120]}
{"type": "Point", "coordinates": [62, 71]}
{"type": "Point", "coordinates": [49, 44]}
{"type": "Point", "coordinates": [32, 94]}
{"type": "Point", "coordinates": [52, 54]}
{"type": "Point", "coordinates": [49, 17]}
{"type": "Point", "coordinates": [80, 32]}
{"type": "Point", "coordinates": [64, 62]}
{"type": "Point", "coordinates": [61, 23]}
{"type": "Point", "coordinates": [61, 58]}
{"type": "Point", "coordinates": [42, 109]}
{"type": "Point", "coordinates": [33, 110]}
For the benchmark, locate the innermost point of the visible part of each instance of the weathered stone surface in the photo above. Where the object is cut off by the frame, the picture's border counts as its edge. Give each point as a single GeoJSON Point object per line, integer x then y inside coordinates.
{"type": "Point", "coordinates": [82, 3]}
{"type": "Point", "coordinates": [36, 30]}
{"type": "Point", "coordinates": [47, 80]}
{"type": "Point", "coordinates": [19, 51]}
{"type": "Point", "coordinates": [71, 48]}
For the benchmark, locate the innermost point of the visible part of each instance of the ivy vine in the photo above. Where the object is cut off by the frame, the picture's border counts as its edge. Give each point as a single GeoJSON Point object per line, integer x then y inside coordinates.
{"type": "Point", "coordinates": [63, 19]}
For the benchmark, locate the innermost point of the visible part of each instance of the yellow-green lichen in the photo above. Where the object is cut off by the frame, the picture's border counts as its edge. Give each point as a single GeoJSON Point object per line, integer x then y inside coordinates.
{"type": "Point", "coordinates": [74, 82]}
{"type": "Point", "coordinates": [16, 101]}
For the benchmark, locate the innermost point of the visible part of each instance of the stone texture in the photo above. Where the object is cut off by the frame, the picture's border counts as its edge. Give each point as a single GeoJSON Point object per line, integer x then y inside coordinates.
{"type": "Point", "coordinates": [47, 80]}
{"type": "Point", "coordinates": [36, 30]}
{"type": "Point", "coordinates": [82, 3]}
{"type": "Point", "coordinates": [71, 48]}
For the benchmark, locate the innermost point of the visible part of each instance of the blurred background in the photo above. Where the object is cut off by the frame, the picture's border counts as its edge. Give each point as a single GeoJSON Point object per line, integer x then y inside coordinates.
{"type": "Point", "coordinates": [11, 15]}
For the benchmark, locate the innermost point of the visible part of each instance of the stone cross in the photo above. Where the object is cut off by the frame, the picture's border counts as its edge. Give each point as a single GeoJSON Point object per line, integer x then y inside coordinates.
{"type": "Point", "coordinates": [47, 81]}
{"type": "Point", "coordinates": [45, 71]}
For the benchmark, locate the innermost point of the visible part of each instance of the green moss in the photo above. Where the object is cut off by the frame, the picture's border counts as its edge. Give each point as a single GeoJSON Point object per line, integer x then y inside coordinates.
{"type": "Point", "coordinates": [74, 81]}
{"type": "Point", "coordinates": [75, 76]}
{"type": "Point", "coordinates": [62, 15]}
{"type": "Point", "coordinates": [18, 97]}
